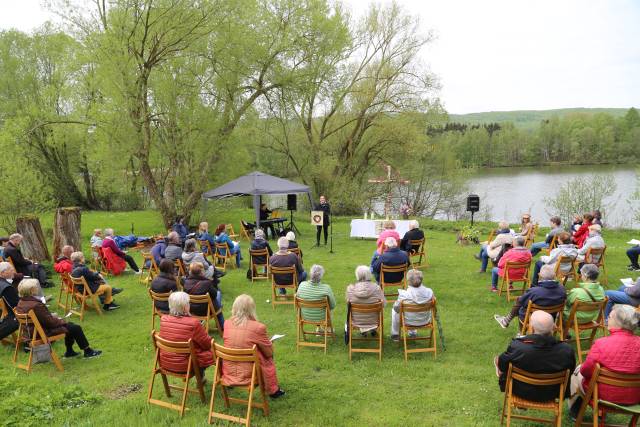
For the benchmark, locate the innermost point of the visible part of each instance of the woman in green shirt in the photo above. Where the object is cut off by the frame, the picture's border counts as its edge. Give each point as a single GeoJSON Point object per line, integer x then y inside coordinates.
{"type": "Point", "coordinates": [314, 290]}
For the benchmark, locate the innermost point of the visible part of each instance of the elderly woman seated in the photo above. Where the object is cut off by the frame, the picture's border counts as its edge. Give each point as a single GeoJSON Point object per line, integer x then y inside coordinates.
{"type": "Point", "coordinates": [28, 290]}
{"type": "Point", "coordinates": [179, 326]}
{"type": "Point", "coordinates": [191, 255]}
{"type": "Point", "coordinates": [164, 282]}
{"type": "Point", "coordinates": [197, 284]}
{"type": "Point", "coordinates": [244, 331]}
{"type": "Point", "coordinates": [365, 291]}
{"type": "Point", "coordinates": [619, 352]}
{"type": "Point", "coordinates": [416, 293]}
{"type": "Point", "coordinates": [589, 290]}
{"type": "Point", "coordinates": [491, 250]}
{"type": "Point", "coordinates": [314, 290]}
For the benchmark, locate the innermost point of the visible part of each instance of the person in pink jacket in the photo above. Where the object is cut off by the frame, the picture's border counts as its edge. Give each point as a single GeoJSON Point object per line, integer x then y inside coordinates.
{"type": "Point", "coordinates": [517, 254]}
{"type": "Point", "coordinates": [389, 231]}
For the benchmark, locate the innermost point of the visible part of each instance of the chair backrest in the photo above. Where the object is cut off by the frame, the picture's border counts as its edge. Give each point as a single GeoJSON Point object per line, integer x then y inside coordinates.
{"type": "Point", "coordinates": [4, 310]}
{"type": "Point", "coordinates": [66, 282]}
{"type": "Point", "coordinates": [416, 245]}
{"type": "Point", "coordinates": [407, 307]}
{"type": "Point", "coordinates": [146, 256]}
{"type": "Point", "coordinates": [202, 299]}
{"type": "Point", "coordinates": [512, 265]}
{"type": "Point", "coordinates": [554, 242]}
{"type": "Point", "coordinates": [31, 325]}
{"type": "Point", "coordinates": [564, 261]}
{"type": "Point", "coordinates": [177, 347]}
{"type": "Point", "coordinates": [220, 247]}
{"type": "Point", "coordinates": [595, 256]}
{"type": "Point", "coordinates": [259, 254]}
{"type": "Point", "coordinates": [295, 251]}
{"type": "Point", "coordinates": [159, 297]}
{"type": "Point", "coordinates": [608, 377]}
{"type": "Point", "coordinates": [81, 281]}
{"type": "Point", "coordinates": [588, 307]}
{"type": "Point", "coordinates": [284, 273]}
{"type": "Point", "coordinates": [376, 307]}
{"type": "Point", "coordinates": [554, 310]}
{"type": "Point", "coordinates": [320, 304]}
{"type": "Point", "coordinates": [205, 247]}
{"type": "Point", "coordinates": [395, 271]}
{"type": "Point", "coordinates": [180, 268]}
{"type": "Point", "coordinates": [557, 378]}
{"type": "Point", "coordinates": [246, 355]}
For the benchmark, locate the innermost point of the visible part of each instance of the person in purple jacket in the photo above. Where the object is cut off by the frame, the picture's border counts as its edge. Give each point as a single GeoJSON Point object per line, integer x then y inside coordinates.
{"type": "Point", "coordinates": [108, 242]}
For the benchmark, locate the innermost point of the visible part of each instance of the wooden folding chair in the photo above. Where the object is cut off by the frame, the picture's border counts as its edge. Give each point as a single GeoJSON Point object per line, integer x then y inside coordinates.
{"type": "Point", "coordinates": [193, 370]}
{"type": "Point", "coordinates": [259, 259]}
{"type": "Point", "coordinates": [207, 250]}
{"type": "Point", "coordinates": [429, 326]}
{"type": "Point", "coordinates": [104, 267]}
{"type": "Point", "coordinates": [553, 244]}
{"type": "Point", "coordinates": [212, 313]}
{"type": "Point", "coordinates": [10, 261]}
{"type": "Point", "coordinates": [571, 273]}
{"type": "Point", "coordinates": [149, 265]}
{"type": "Point", "coordinates": [388, 282]}
{"type": "Point", "coordinates": [512, 401]}
{"type": "Point", "coordinates": [602, 407]}
{"type": "Point", "coordinates": [595, 256]}
{"type": "Point", "coordinates": [181, 271]}
{"type": "Point", "coordinates": [238, 355]}
{"type": "Point", "coordinates": [96, 260]}
{"type": "Point", "coordinates": [296, 251]}
{"type": "Point", "coordinates": [324, 327]}
{"type": "Point", "coordinates": [4, 312]}
{"type": "Point", "coordinates": [245, 232]}
{"type": "Point", "coordinates": [506, 284]}
{"type": "Point", "coordinates": [230, 232]}
{"type": "Point", "coordinates": [66, 291]}
{"type": "Point", "coordinates": [222, 256]}
{"type": "Point", "coordinates": [417, 253]}
{"type": "Point", "coordinates": [283, 273]}
{"type": "Point", "coordinates": [365, 309]}
{"type": "Point", "coordinates": [30, 331]}
{"type": "Point", "coordinates": [157, 297]}
{"type": "Point", "coordinates": [592, 325]}
{"type": "Point", "coordinates": [84, 297]}
{"type": "Point", "coordinates": [555, 311]}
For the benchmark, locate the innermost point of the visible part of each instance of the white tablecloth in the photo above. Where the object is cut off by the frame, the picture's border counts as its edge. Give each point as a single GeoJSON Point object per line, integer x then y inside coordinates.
{"type": "Point", "coordinates": [371, 227]}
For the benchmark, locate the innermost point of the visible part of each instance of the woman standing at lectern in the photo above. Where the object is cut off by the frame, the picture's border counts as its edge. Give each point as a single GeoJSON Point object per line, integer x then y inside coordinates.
{"type": "Point", "coordinates": [324, 207]}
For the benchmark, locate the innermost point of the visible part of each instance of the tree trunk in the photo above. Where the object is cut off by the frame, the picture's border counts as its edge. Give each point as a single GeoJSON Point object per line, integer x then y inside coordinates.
{"type": "Point", "coordinates": [34, 245]}
{"type": "Point", "coordinates": [66, 230]}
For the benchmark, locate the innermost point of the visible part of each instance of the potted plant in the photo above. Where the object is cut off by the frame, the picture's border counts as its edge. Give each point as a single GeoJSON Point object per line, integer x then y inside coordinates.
{"type": "Point", "coordinates": [468, 234]}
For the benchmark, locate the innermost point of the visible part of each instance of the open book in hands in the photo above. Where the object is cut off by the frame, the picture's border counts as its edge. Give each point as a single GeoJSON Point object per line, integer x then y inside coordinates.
{"type": "Point", "coordinates": [276, 337]}
{"type": "Point", "coordinates": [628, 282]}
{"type": "Point", "coordinates": [634, 242]}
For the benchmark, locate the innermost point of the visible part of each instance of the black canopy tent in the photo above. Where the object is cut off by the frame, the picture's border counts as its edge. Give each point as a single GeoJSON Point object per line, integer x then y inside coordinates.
{"type": "Point", "coordinates": [256, 184]}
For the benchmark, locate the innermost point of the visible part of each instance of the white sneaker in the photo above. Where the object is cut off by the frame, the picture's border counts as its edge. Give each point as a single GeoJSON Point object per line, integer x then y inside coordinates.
{"type": "Point", "coordinates": [137, 272]}
{"type": "Point", "coordinates": [502, 321]}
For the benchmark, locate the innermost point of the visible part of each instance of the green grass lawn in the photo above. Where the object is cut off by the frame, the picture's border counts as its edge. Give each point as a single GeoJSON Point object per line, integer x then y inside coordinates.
{"type": "Point", "coordinates": [459, 388]}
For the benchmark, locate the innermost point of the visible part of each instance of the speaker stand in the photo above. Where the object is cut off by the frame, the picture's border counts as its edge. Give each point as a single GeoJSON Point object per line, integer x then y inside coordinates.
{"type": "Point", "coordinates": [293, 226]}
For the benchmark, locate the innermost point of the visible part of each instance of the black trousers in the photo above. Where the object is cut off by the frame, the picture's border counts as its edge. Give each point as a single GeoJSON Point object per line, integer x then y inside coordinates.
{"type": "Point", "coordinates": [326, 232]}
{"type": "Point", "coordinates": [75, 334]}
{"type": "Point", "coordinates": [131, 262]}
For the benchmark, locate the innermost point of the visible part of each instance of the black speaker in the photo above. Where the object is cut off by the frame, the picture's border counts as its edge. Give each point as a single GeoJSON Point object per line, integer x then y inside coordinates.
{"type": "Point", "coordinates": [292, 201]}
{"type": "Point", "coordinates": [473, 203]}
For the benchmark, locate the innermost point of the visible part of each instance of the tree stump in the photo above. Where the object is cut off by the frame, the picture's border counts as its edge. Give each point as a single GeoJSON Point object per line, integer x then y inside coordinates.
{"type": "Point", "coordinates": [66, 230]}
{"type": "Point", "coordinates": [34, 245]}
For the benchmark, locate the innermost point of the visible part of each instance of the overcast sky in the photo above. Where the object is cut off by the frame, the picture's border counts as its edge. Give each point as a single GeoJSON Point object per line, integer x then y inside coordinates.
{"type": "Point", "coordinates": [495, 55]}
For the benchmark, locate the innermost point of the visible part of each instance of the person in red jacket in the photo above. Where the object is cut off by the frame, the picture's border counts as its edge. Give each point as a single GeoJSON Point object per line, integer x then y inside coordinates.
{"type": "Point", "coordinates": [517, 254]}
{"type": "Point", "coordinates": [619, 352]}
{"type": "Point", "coordinates": [108, 242]}
{"type": "Point", "coordinates": [178, 325]}
{"type": "Point", "coordinates": [582, 233]}
{"type": "Point", "coordinates": [63, 264]}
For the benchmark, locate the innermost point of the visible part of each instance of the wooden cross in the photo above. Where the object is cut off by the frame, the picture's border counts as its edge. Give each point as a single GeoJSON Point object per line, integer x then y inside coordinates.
{"type": "Point", "coordinates": [389, 180]}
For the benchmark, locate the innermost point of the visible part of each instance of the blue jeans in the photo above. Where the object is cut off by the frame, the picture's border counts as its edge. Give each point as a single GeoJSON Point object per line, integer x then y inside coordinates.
{"type": "Point", "coordinates": [633, 254]}
{"type": "Point", "coordinates": [494, 277]}
{"type": "Point", "coordinates": [536, 273]}
{"type": "Point", "coordinates": [218, 304]}
{"type": "Point", "coordinates": [615, 297]}
{"type": "Point", "coordinates": [484, 258]}
{"type": "Point", "coordinates": [537, 247]}
{"type": "Point", "coordinates": [235, 250]}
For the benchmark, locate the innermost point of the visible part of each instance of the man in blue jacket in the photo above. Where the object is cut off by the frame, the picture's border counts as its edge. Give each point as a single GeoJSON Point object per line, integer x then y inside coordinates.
{"type": "Point", "coordinates": [547, 293]}
{"type": "Point", "coordinates": [391, 256]}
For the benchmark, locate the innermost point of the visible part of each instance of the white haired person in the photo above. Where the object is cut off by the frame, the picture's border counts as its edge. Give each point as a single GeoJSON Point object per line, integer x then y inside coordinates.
{"type": "Point", "coordinates": [416, 293]}
{"type": "Point", "coordinates": [291, 237]}
{"type": "Point", "coordinates": [619, 352]}
{"type": "Point", "coordinates": [392, 256]}
{"type": "Point", "coordinates": [314, 290]}
{"type": "Point", "coordinates": [284, 258]}
{"type": "Point", "coordinates": [28, 289]}
{"type": "Point", "coordinates": [414, 233]}
{"type": "Point", "coordinates": [243, 330]}
{"type": "Point", "coordinates": [365, 291]}
{"type": "Point", "coordinates": [110, 243]}
{"type": "Point", "coordinates": [491, 250]}
{"type": "Point", "coordinates": [178, 325]}
{"type": "Point", "coordinates": [96, 242]}
{"type": "Point", "coordinates": [25, 266]}
{"type": "Point", "coordinates": [9, 295]}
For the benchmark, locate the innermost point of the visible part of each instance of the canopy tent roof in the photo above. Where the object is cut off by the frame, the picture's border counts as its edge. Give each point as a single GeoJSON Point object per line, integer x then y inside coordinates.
{"type": "Point", "coordinates": [255, 184]}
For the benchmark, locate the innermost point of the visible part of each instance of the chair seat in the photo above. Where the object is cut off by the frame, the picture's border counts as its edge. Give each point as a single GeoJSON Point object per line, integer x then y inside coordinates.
{"type": "Point", "coordinates": [634, 409]}
{"type": "Point", "coordinates": [524, 403]}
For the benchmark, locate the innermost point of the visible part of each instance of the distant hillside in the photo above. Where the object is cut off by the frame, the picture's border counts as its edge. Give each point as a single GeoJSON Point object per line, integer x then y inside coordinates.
{"type": "Point", "coordinates": [528, 119]}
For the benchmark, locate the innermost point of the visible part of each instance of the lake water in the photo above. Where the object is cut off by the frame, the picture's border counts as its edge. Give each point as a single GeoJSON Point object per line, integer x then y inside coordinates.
{"type": "Point", "coordinates": [506, 193]}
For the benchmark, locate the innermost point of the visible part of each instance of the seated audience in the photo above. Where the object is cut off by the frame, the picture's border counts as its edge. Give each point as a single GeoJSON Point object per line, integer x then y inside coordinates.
{"type": "Point", "coordinates": [580, 236]}
{"type": "Point", "coordinates": [259, 242]}
{"type": "Point", "coordinates": [492, 249]}
{"type": "Point", "coordinates": [392, 256]}
{"type": "Point", "coordinates": [244, 331]}
{"type": "Point", "coordinates": [416, 293]}
{"type": "Point", "coordinates": [314, 290]}
{"type": "Point", "coordinates": [555, 230]}
{"type": "Point", "coordinates": [3, 243]}
{"type": "Point", "coordinates": [629, 295]}
{"type": "Point", "coordinates": [284, 258]}
{"type": "Point", "coordinates": [95, 281]}
{"type": "Point", "coordinates": [180, 228]}
{"type": "Point", "coordinates": [633, 253]}
{"type": "Point", "coordinates": [538, 352]}
{"type": "Point", "coordinates": [96, 240]}
{"type": "Point", "coordinates": [164, 282]}
{"type": "Point", "coordinates": [174, 247]}
{"type": "Point", "coordinates": [526, 226]}
{"type": "Point", "coordinates": [108, 242]}
{"type": "Point", "coordinates": [291, 237]}
{"type": "Point", "coordinates": [28, 289]}
{"type": "Point", "coordinates": [191, 255]}
{"type": "Point", "coordinates": [595, 241]}
{"type": "Point", "coordinates": [23, 265]}
{"type": "Point", "coordinates": [564, 249]}
{"type": "Point", "coordinates": [597, 217]}
{"type": "Point", "coordinates": [203, 235]}
{"type": "Point", "coordinates": [9, 294]}
{"type": "Point", "coordinates": [576, 224]}
{"type": "Point", "coordinates": [519, 253]}
{"type": "Point", "coordinates": [619, 352]}
{"type": "Point", "coordinates": [547, 294]}
{"type": "Point", "coordinates": [197, 284]}
{"type": "Point", "coordinates": [234, 247]}
{"type": "Point", "coordinates": [365, 291]}
{"type": "Point", "coordinates": [179, 326]}
{"type": "Point", "coordinates": [63, 264]}
{"type": "Point", "coordinates": [589, 290]}
{"type": "Point", "coordinates": [414, 233]}
{"type": "Point", "coordinates": [158, 250]}
{"type": "Point", "coordinates": [389, 231]}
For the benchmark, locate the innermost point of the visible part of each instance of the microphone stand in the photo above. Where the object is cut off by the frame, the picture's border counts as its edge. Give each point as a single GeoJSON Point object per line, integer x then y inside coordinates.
{"type": "Point", "coordinates": [331, 237]}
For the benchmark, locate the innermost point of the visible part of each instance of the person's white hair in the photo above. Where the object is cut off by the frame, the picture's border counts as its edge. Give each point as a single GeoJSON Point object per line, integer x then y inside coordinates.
{"type": "Point", "coordinates": [390, 242]}
{"type": "Point", "coordinates": [243, 309]}
{"type": "Point", "coordinates": [624, 316]}
{"type": "Point", "coordinates": [316, 273]}
{"type": "Point", "coordinates": [363, 273]}
{"type": "Point", "coordinates": [173, 237]}
{"type": "Point", "coordinates": [15, 236]}
{"type": "Point", "coordinates": [108, 231]}
{"type": "Point", "coordinates": [590, 272]}
{"type": "Point", "coordinates": [503, 225]}
{"type": "Point", "coordinates": [283, 243]}
{"type": "Point", "coordinates": [179, 303]}
{"type": "Point", "coordinates": [547, 272]}
{"type": "Point", "coordinates": [595, 227]}
{"type": "Point", "coordinates": [291, 236]}
{"type": "Point", "coordinates": [259, 233]}
{"type": "Point", "coordinates": [519, 242]}
{"type": "Point", "coordinates": [541, 322]}
{"type": "Point", "coordinates": [5, 266]}
{"type": "Point", "coordinates": [414, 278]}
{"type": "Point", "coordinates": [413, 224]}
{"type": "Point", "coordinates": [28, 287]}
{"type": "Point", "coordinates": [77, 257]}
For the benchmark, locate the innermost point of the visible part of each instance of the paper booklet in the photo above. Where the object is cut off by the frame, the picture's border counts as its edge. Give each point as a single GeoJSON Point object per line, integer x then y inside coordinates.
{"type": "Point", "coordinates": [634, 242]}
{"type": "Point", "coordinates": [628, 282]}
{"type": "Point", "coordinates": [276, 337]}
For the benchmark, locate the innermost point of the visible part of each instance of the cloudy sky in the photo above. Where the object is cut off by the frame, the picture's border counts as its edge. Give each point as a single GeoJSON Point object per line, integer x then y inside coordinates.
{"type": "Point", "coordinates": [494, 55]}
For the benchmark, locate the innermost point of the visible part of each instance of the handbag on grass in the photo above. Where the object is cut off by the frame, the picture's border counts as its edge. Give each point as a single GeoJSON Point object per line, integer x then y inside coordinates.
{"type": "Point", "coordinates": [41, 353]}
